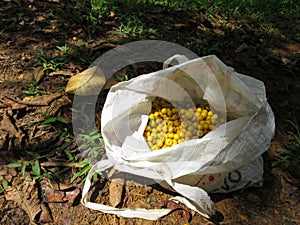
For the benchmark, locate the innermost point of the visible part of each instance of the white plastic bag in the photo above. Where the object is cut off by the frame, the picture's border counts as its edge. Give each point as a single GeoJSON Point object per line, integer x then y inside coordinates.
{"type": "Point", "coordinates": [224, 160]}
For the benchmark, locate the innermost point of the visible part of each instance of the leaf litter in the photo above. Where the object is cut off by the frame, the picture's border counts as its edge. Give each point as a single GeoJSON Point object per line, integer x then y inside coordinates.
{"type": "Point", "coordinates": [25, 194]}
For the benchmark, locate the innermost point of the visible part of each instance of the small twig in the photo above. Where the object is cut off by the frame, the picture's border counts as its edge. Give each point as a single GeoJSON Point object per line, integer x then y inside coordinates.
{"type": "Point", "coordinates": [63, 164]}
{"type": "Point", "coordinates": [111, 173]}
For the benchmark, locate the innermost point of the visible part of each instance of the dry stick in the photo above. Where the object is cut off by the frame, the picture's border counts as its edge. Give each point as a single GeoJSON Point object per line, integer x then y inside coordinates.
{"type": "Point", "coordinates": [68, 164]}
{"type": "Point", "coordinates": [73, 164]}
{"type": "Point", "coordinates": [111, 173]}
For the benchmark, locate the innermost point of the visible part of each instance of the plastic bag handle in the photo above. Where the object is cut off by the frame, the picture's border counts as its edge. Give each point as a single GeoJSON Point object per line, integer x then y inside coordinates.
{"type": "Point", "coordinates": [179, 58]}
{"type": "Point", "coordinates": [149, 214]}
{"type": "Point", "coordinates": [203, 199]}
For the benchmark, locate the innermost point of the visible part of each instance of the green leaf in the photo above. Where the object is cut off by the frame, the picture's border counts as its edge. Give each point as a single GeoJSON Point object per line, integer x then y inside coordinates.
{"type": "Point", "coordinates": [148, 200]}
{"type": "Point", "coordinates": [83, 180]}
{"type": "Point", "coordinates": [23, 170]}
{"type": "Point", "coordinates": [29, 179]}
{"type": "Point", "coordinates": [69, 155]}
{"type": "Point", "coordinates": [101, 141]}
{"type": "Point", "coordinates": [119, 78]}
{"type": "Point", "coordinates": [4, 182]}
{"type": "Point", "coordinates": [85, 170]}
{"type": "Point", "coordinates": [34, 155]}
{"type": "Point", "coordinates": [53, 120]}
{"type": "Point", "coordinates": [49, 176]}
{"type": "Point", "coordinates": [61, 119]}
{"type": "Point", "coordinates": [275, 163]}
{"type": "Point", "coordinates": [14, 165]}
{"type": "Point", "coordinates": [49, 121]}
{"type": "Point", "coordinates": [36, 170]}
{"type": "Point", "coordinates": [46, 113]}
{"type": "Point", "coordinates": [84, 162]}
{"type": "Point", "coordinates": [96, 175]}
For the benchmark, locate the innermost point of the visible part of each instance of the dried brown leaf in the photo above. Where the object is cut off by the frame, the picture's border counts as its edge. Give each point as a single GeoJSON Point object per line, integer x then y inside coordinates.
{"type": "Point", "coordinates": [45, 215]}
{"type": "Point", "coordinates": [38, 73]}
{"type": "Point", "coordinates": [185, 215]}
{"type": "Point", "coordinates": [25, 195]}
{"type": "Point", "coordinates": [56, 193]}
{"type": "Point", "coordinates": [72, 195]}
{"type": "Point", "coordinates": [8, 101]}
{"type": "Point", "coordinates": [169, 204]}
{"type": "Point", "coordinates": [7, 125]}
{"type": "Point", "coordinates": [116, 191]}
{"type": "Point", "coordinates": [111, 82]}
{"type": "Point", "coordinates": [88, 82]}
{"type": "Point", "coordinates": [41, 100]}
{"type": "Point", "coordinates": [241, 48]}
{"type": "Point", "coordinates": [54, 196]}
{"type": "Point", "coordinates": [18, 106]}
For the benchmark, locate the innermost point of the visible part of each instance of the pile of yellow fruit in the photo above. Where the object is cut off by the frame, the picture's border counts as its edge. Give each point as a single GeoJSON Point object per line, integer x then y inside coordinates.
{"type": "Point", "coordinates": [168, 127]}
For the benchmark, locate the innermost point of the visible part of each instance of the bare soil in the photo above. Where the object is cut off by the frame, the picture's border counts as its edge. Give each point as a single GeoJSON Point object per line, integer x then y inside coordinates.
{"type": "Point", "coordinates": [30, 26]}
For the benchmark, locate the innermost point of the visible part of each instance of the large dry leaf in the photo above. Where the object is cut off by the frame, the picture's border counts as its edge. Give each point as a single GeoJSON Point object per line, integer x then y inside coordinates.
{"type": "Point", "coordinates": [41, 100]}
{"type": "Point", "coordinates": [88, 82]}
{"type": "Point", "coordinates": [25, 195]}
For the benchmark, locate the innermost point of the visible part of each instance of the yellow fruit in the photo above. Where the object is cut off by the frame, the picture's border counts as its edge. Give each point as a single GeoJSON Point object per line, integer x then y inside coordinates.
{"type": "Point", "coordinates": [169, 142]}
{"type": "Point", "coordinates": [176, 123]}
{"type": "Point", "coordinates": [168, 127]}
{"type": "Point", "coordinates": [152, 123]}
{"type": "Point", "coordinates": [204, 113]}
{"type": "Point", "coordinates": [174, 142]}
{"type": "Point", "coordinates": [170, 123]}
{"type": "Point", "coordinates": [150, 138]}
{"type": "Point", "coordinates": [160, 144]}
{"type": "Point", "coordinates": [165, 129]}
{"type": "Point", "coordinates": [156, 114]}
{"type": "Point", "coordinates": [183, 131]}
{"type": "Point", "coordinates": [189, 115]}
{"type": "Point", "coordinates": [169, 112]}
{"type": "Point", "coordinates": [148, 128]}
{"type": "Point", "coordinates": [174, 117]}
{"type": "Point", "coordinates": [159, 127]}
{"type": "Point", "coordinates": [163, 111]}
{"type": "Point", "coordinates": [151, 116]}
{"type": "Point", "coordinates": [170, 135]}
{"type": "Point", "coordinates": [176, 136]}
{"type": "Point", "coordinates": [205, 126]}
{"type": "Point", "coordinates": [201, 133]}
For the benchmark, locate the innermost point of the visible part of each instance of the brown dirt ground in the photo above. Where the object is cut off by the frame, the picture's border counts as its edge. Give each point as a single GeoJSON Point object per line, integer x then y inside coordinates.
{"type": "Point", "coordinates": [31, 25]}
